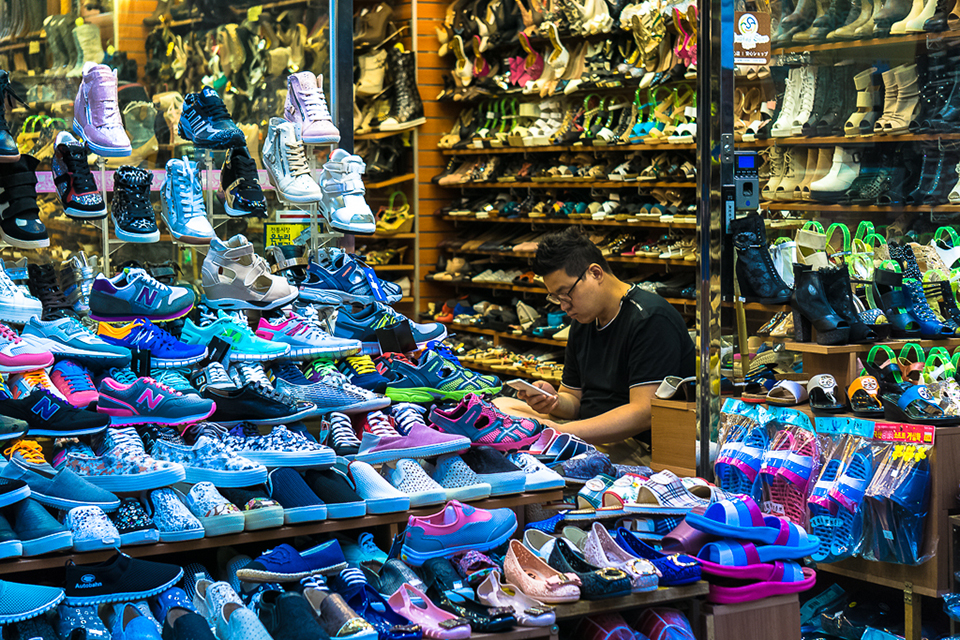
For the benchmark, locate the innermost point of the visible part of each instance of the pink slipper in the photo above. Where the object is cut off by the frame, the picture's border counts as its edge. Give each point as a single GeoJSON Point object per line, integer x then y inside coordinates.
{"type": "Point", "coordinates": [436, 622]}
{"type": "Point", "coordinates": [774, 579]}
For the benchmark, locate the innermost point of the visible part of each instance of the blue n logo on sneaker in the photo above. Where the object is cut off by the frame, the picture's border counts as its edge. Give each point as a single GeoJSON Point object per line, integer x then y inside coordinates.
{"type": "Point", "coordinates": [147, 296]}
{"type": "Point", "coordinates": [45, 408]}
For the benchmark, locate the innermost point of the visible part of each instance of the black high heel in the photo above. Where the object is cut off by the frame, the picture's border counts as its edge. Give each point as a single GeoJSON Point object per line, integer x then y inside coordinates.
{"type": "Point", "coordinates": [811, 308]}
{"type": "Point", "coordinates": [837, 285]}
{"type": "Point", "coordinates": [758, 278]}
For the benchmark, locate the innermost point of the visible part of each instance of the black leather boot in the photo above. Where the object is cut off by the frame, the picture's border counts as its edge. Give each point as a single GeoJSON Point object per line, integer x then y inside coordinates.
{"type": "Point", "coordinates": [406, 110]}
{"type": "Point", "coordinates": [758, 278]}
{"type": "Point", "coordinates": [938, 21]}
{"type": "Point", "coordinates": [837, 285]}
{"type": "Point", "coordinates": [892, 11]}
{"type": "Point", "coordinates": [826, 94]}
{"type": "Point", "coordinates": [946, 120]}
{"type": "Point", "coordinates": [932, 158]}
{"type": "Point", "coordinates": [9, 152]}
{"type": "Point", "coordinates": [812, 309]}
{"type": "Point", "coordinates": [841, 105]}
{"type": "Point", "coordinates": [934, 93]}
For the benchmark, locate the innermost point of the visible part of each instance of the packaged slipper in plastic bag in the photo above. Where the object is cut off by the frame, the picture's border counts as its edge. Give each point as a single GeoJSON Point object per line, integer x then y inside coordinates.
{"type": "Point", "coordinates": [789, 466]}
{"type": "Point", "coordinates": [744, 437]}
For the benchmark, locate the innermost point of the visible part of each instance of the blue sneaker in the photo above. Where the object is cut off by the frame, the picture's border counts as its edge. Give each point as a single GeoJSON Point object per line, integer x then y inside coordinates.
{"type": "Point", "coordinates": [363, 326]}
{"type": "Point", "coordinates": [299, 502]}
{"type": "Point", "coordinates": [245, 346]}
{"type": "Point", "coordinates": [349, 278]}
{"type": "Point", "coordinates": [166, 352]}
{"type": "Point", "coordinates": [361, 371]}
{"type": "Point", "coordinates": [434, 378]}
{"type": "Point", "coordinates": [145, 401]}
{"type": "Point", "coordinates": [326, 387]}
{"type": "Point", "coordinates": [285, 564]}
{"type": "Point", "coordinates": [458, 527]}
{"type": "Point", "coordinates": [38, 531]}
{"type": "Point", "coordinates": [68, 338]}
{"type": "Point", "coordinates": [22, 601]}
{"type": "Point", "coordinates": [364, 549]}
{"type": "Point", "coordinates": [133, 294]}
{"type": "Point", "coordinates": [206, 123]}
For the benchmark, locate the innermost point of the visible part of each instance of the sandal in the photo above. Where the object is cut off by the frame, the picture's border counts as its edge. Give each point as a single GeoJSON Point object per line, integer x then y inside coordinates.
{"type": "Point", "coordinates": [864, 397]}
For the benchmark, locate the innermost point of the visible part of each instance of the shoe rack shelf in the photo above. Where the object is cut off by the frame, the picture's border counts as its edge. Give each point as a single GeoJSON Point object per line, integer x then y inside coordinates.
{"type": "Point", "coordinates": [383, 184]}
{"type": "Point", "coordinates": [378, 135]}
{"type": "Point", "coordinates": [504, 335]}
{"type": "Point", "coordinates": [663, 595]}
{"type": "Point", "coordinates": [393, 267]}
{"type": "Point", "coordinates": [396, 236]}
{"type": "Point", "coordinates": [562, 149]}
{"type": "Point", "coordinates": [651, 224]}
{"type": "Point", "coordinates": [519, 373]}
{"type": "Point", "coordinates": [830, 350]}
{"type": "Point", "coordinates": [912, 39]}
{"type": "Point", "coordinates": [844, 141]}
{"type": "Point", "coordinates": [572, 184]}
{"type": "Point", "coordinates": [622, 259]}
{"type": "Point", "coordinates": [55, 560]}
{"type": "Point", "coordinates": [840, 208]}
{"type": "Point", "coordinates": [497, 286]}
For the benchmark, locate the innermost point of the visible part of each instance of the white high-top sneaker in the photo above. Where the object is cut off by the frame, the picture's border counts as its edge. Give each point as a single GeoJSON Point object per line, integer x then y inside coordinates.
{"type": "Point", "coordinates": [307, 106]}
{"type": "Point", "coordinates": [286, 163]}
{"type": "Point", "coordinates": [343, 203]}
{"type": "Point", "coordinates": [181, 203]}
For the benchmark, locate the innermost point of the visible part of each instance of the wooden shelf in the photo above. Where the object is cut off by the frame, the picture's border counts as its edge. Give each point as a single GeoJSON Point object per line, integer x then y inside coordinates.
{"type": "Point", "coordinates": [840, 208]}
{"type": "Point", "coordinates": [393, 267]}
{"type": "Point", "coordinates": [561, 149]}
{"type": "Point", "coordinates": [844, 141]}
{"type": "Point", "coordinates": [819, 349]}
{"type": "Point", "coordinates": [466, 328]}
{"type": "Point", "coordinates": [57, 560]}
{"type": "Point", "coordinates": [407, 177]}
{"type": "Point", "coordinates": [378, 135]}
{"type": "Point", "coordinates": [913, 39]}
{"type": "Point", "coordinates": [632, 601]}
{"type": "Point", "coordinates": [396, 236]}
{"type": "Point", "coordinates": [652, 224]}
{"type": "Point", "coordinates": [502, 374]}
{"type": "Point", "coordinates": [572, 184]}
{"type": "Point", "coordinates": [531, 254]}
{"type": "Point", "coordinates": [498, 286]}
{"type": "Point", "coordinates": [406, 300]}
{"type": "Point", "coordinates": [272, 5]}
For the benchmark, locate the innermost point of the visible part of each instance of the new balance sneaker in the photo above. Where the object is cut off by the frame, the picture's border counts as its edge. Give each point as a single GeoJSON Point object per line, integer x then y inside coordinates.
{"type": "Point", "coordinates": [68, 338]}
{"type": "Point", "coordinates": [47, 414]}
{"type": "Point", "coordinates": [342, 436]}
{"type": "Point", "coordinates": [484, 424]}
{"type": "Point", "coordinates": [286, 163]}
{"type": "Point", "coordinates": [22, 384]}
{"type": "Point", "coordinates": [16, 305]}
{"type": "Point", "coordinates": [75, 383]}
{"type": "Point", "coordinates": [435, 378]}
{"type": "Point", "coordinates": [96, 113]}
{"type": "Point", "coordinates": [347, 277]}
{"type": "Point", "coordinates": [380, 442]}
{"type": "Point", "coordinates": [240, 185]}
{"type": "Point", "coordinates": [307, 106]}
{"type": "Point", "coordinates": [279, 448]}
{"type": "Point", "coordinates": [324, 386]}
{"type": "Point", "coordinates": [362, 325]}
{"type": "Point", "coordinates": [245, 346]}
{"type": "Point", "coordinates": [208, 459]}
{"type": "Point", "coordinates": [235, 277]}
{"type": "Point", "coordinates": [257, 404]}
{"type": "Point", "coordinates": [134, 219]}
{"type": "Point", "coordinates": [213, 375]}
{"type": "Point", "coordinates": [145, 401]}
{"type": "Point", "coordinates": [75, 185]}
{"type": "Point", "coordinates": [166, 352]}
{"type": "Point", "coordinates": [119, 579]}
{"type": "Point", "coordinates": [362, 372]}
{"type": "Point", "coordinates": [18, 355]}
{"type": "Point", "coordinates": [175, 379]}
{"type": "Point", "coordinates": [206, 123]}
{"type": "Point", "coordinates": [181, 203]}
{"type": "Point", "coordinates": [343, 203]}
{"type": "Point", "coordinates": [306, 341]}
{"type": "Point", "coordinates": [133, 294]}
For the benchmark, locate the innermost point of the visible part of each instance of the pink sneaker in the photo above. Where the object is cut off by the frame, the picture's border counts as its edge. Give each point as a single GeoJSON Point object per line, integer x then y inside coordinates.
{"type": "Point", "coordinates": [96, 113]}
{"type": "Point", "coordinates": [459, 527]}
{"type": "Point", "coordinates": [307, 106]}
{"type": "Point", "coordinates": [19, 355]}
{"type": "Point", "coordinates": [381, 442]}
{"type": "Point", "coordinates": [484, 424]}
{"type": "Point", "coordinates": [428, 615]}
{"type": "Point", "coordinates": [75, 383]}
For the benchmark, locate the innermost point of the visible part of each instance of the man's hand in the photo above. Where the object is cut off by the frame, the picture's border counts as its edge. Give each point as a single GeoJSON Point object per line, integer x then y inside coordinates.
{"type": "Point", "coordinates": [539, 402]}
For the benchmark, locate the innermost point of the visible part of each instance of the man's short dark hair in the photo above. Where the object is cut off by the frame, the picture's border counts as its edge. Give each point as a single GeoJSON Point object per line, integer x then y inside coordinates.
{"type": "Point", "coordinates": [570, 250]}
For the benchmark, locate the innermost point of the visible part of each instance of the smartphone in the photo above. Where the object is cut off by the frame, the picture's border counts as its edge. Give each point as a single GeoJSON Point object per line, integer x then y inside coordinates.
{"type": "Point", "coordinates": [523, 385]}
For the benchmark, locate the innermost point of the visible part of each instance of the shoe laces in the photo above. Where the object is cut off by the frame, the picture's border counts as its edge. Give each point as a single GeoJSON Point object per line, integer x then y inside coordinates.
{"type": "Point", "coordinates": [341, 430]}
{"type": "Point", "coordinates": [45, 285]}
{"type": "Point", "coordinates": [217, 374]}
{"type": "Point", "coordinates": [6, 333]}
{"type": "Point", "coordinates": [212, 430]}
{"type": "Point", "coordinates": [133, 274]}
{"type": "Point", "coordinates": [126, 438]}
{"type": "Point", "coordinates": [380, 425]}
{"type": "Point", "coordinates": [5, 91]}
{"type": "Point", "coordinates": [250, 372]}
{"type": "Point", "coordinates": [441, 348]}
{"type": "Point", "coordinates": [211, 106]}
{"type": "Point", "coordinates": [245, 170]}
{"type": "Point", "coordinates": [151, 334]}
{"type": "Point", "coordinates": [362, 365]}
{"type": "Point", "coordinates": [30, 450]}
{"type": "Point", "coordinates": [406, 416]}
{"type": "Point", "coordinates": [40, 379]}
{"type": "Point", "coordinates": [316, 104]}
{"type": "Point", "coordinates": [77, 380]}
{"type": "Point", "coordinates": [288, 371]}
{"type": "Point", "coordinates": [161, 386]}
{"type": "Point", "coordinates": [297, 159]}
{"type": "Point", "coordinates": [75, 157]}
{"type": "Point", "coordinates": [187, 189]}
{"type": "Point", "coordinates": [123, 376]}
{"type": "Point", "coordinates": [330, 375]}
{"type": "Point", "coordinates": [312, 315]}
{"type": "Point", "coordinates": [353, 577]}
{"type": "Point", "coordinates": [307, 330]}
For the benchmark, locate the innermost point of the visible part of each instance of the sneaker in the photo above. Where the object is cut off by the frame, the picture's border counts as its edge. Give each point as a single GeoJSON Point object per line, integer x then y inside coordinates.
{"type": "Point", "coordinates": [435, 378]}
{"type": "Point", "coordinates": [82, 622]}
{"type": "Point", "coordinates": [459, 480]}
{"type": "Point", "coordinates": [78, 191]}
{"type": "Point", "coordinates": [13, 490]}
{"type": "Point", "coordinates": [343, 203]}
{"type": "Point", "coordinates": [484, 424]}
{"type": "Point", "coordinates": [172, 516]}
{"type": "Point", "coordinates": [18, 355]}
{"type": "Point", "coordinates": [23, 601]}
{"type": "Point", "coordinates": [146, 401]}
{"type": "Point", "coordinates": [362, 325]}
{"type": "Point", "coordinates": [16, 305]}
{"type": "Point", "coordinates": [48, 414]}
{"type": "Point", "coordinates": [119, 579]}
{"type": "Point", "coordinates": [361, 372]}
{"type": "Point", "coordinates": [343, 438]}
{"type": "Point", "coordinates": [235, 277]}
{"type": "Point", "coordinates": [305, 341]}
{"type": "Point", "coordinates": [133, 294]}
{"type": "Point", "coordinates": [75, 383]}
{"type": "Point", "coordinates": [286, 163]}
{"type": "Point", "coordinates": [213, 375]}
{"type": "Point", "coordinates": [8, 145]}
{"type": "Point", "coordinates": [256, 404]}
{"type": "Point", "coordinates": [218, 515]}
{"type": "Point", "coordinates": [181, 203]}
{"type": "Point", "coordinates": [240, 185]}
{"type": "Point", "coordinates": [22, 385]}
{"type": "Point", "coordinates": [285, 564]}
{"type": "Point", "coordinates": [68, 338]}
{"type": "Point", "coordinates": [458, 527]}
{"type": "Point", "coordinates": [380, 495]}
{"type": "Point", "coordinates": [539, 477]}
{"type": "Point", "coordinates": [43, 282]}
{"type": "Point", "coordinates": [206, 123]}
{"type": "Point", "coordinates": [122, 464]}
{"type": "Point", "coordinates": [300, 503]}
{"type": "Point", "coordinates": [492, 467]}
{"type": "Point", "coordinates": [338, 493]}
{"type": "Point", "coordinates": [96, 113]}
{"type": "Point", "coordinates": [133, 524]}
{"type": "Point", "coordinates": [408, 476]}
{"type": "Point", "coordinates": [326, 387]}
{"type": "Point", "coordinates": [347, 277]}
{"type": "Point", "coordinates": [92, 530]}
{"type": "Point", "coordinates": [307, 106]}
{"type": "Point", "coordinates": [174, 379]}
{"type": "Point", "coordinates": [259, 510]}
{"type": "Point", "coordinates": [21, 226]}
{"type": "Point", "coordinates": [206, 460]}
{"type": "Point", "coordinates": [134, 219]}
{"type": "Point", "coordinates": [166, 352]}
{"type": "Point", "coordinates": [38, 531]}
{"type": "Point", "coordinates": [380, 442]}
{"type": "Point", "coordinates": [245, 346]}
{"type": "Point", "coordinates": [279, 448]}
{"type": "Point", "coordinates": [61, 489]}
{"type": "Point", "coordinates": [76, 278]}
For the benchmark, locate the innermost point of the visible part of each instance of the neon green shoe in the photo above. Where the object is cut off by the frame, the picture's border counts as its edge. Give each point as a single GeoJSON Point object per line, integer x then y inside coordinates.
{"type": "Point", "coordinates": [245, 346]}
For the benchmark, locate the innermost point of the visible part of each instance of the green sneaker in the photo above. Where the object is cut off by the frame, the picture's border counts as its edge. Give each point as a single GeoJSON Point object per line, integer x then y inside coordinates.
{"type": "Point", "coordinates": [245, 346]}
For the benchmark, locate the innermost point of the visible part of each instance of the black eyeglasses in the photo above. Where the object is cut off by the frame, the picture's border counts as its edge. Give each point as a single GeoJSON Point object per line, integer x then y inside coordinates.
{"type": "Point", "coordinates": [560, 298]}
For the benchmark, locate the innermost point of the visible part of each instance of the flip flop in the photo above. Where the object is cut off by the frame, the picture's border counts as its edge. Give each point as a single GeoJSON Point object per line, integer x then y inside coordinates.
{"type": "Point", "coordinates": [825, 394]}
{"type": "Point", "coordinates": [756, 392]}
{"type": "Point", "coordinates": [735, 518]}
{"type": "Point", "coordinates": [777, 579]}
{"type": "Point", "coordinates": [787, 393]}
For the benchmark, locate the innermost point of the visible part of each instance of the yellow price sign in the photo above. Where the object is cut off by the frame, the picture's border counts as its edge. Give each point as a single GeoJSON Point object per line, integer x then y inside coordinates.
{"type": "Point", "coordinates": [281, 233]}
{"type": "Point", "coordinates": [34, 47]}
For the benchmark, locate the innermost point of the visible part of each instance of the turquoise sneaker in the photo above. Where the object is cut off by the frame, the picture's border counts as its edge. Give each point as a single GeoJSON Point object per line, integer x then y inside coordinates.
{"type": "Point", "coordinates": [245, 345]}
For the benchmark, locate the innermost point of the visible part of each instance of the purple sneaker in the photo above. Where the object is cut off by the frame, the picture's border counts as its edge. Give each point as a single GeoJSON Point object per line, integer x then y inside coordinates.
{"type": "Point", "coordinates": [96, 113]}
{"type": "Point", "coordinates": [307, 106]}
{"type": "Point", "coordinates": [382, 443]}
{"type": "Point", "coordinates": [486, 425]}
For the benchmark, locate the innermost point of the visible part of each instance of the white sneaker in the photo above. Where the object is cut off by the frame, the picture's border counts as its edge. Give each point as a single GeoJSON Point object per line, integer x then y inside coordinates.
{"type": "Point", "coordinates": [307, 106]}
{"type": "Point", "coordinates": [343, 204]}
{"type": "Point", "coordinates": [181, 203]}
{"type": "Point", "coordinates": [286, 163]}
{"type": "Point", "coordinates": [16, 305]}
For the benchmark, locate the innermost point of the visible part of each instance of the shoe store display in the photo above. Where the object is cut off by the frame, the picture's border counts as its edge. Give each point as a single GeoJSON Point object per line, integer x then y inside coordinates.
{"type": "Point", "coordinates": [206, 123]}
{"type": "Point", "coordinates": [239, 185]}
{"type": "Point", "coordinates": [134, 219]}
{"type": "Point", "coordinates": [181, 204]}
{"type": "Point", "coordinates": [96, 112]}
{"type": "Point", "coordinates": [75, 183]}
{"type": "Point", "coordinates": [306, 105]}
{"type": "Point", "coordinates": [235, 277]}
{"type": "Point", "coordinates": [343, 203]}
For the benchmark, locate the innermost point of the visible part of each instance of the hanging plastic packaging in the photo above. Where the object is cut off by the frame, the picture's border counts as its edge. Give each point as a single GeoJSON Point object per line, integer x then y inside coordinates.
{"type": "Point", "coordinates": [789, 466]}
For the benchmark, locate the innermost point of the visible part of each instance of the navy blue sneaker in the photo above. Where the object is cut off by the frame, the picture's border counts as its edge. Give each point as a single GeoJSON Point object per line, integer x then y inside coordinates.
{"type": "Point", "coordinates": [38, 531]}
{"type": "Point", "coordinates": [285, 564]}
{"type": "Point", "coordinates": [119, 579]}
{"type": "Point", "coordinates": [363, 326]}
{"type": "Point", "coordinates": [299, 502]}
{"type": "Point", "coordinates": [166, 352]}
{"type": "Point", "coordinates": [206, 123]}
{"type": "Point", "coordinates": [362, 372]}
{"type": "Point", "coordinates": [349, 278]}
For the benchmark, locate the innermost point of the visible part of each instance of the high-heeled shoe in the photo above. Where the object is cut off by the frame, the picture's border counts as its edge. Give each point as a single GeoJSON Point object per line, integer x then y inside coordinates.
{"type": "Point", "coordinates": [811, 308]}
{"type": "Point", "coordinates": [888, 291]}
{"type": "Point", "coordinates": [758, 279]}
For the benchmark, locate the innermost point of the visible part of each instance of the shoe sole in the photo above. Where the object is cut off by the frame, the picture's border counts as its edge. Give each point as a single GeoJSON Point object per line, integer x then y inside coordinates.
{"type": "Point", "coordinates": [82, 546]}
{"type": "Point", "coordinates": [223, 525]}
{"type": "Point", "coordinates": [17, 314]}
{"type": "Point", "coordinates": [173, 316]}
{"type": "Point", "coordinates": [144, 536]}
{"type": "Point", "coordinates": [79, 355]}
{"type": "Point", "coordinates": [266, 518]}
{"type": "Point", "coordinates": [341, 510]}
{"type": "Point", "coordinates": [254, 575]}
{"type": "Point", "coordinates": [323, 459]}
{"type": "Point", "coordinates": [500, 488]}
{"type": "Point", "coordinates": [11, 549]}
{"type": "Point", "coordinates": [377, 506]}
{"type": "Point", "coordinates": [181, 536]}
{"type": "Point", "coordinates": [426, 394]}
{"type": "Point", "coordinates": [167, 363]}
{"type": "Point", "coordinates": [267, 422]}
{"type": "Point", "coordinates": [139, 482]}
{"type": "Point", "coordinates": [60, 541]}
{"type": "Point", "coordinates": [103, 152]}
{"type": "Point", "coordinates": [123, 597]}
{"type": "Point", "coordinates": [361, 407]}
{"type": "Point", "coordinates": [416, 558]}
{"type": "Point", "coordinates": [116, 420]}
{"type": "Point", "coordinates": [423, 451]}
{"type": "Point", "coordinates": [230, 304]}
{"type": "Point", "coordinates": [313, 513]}
{"type": "Point", "coordinates": [226, 479]}
{"type": "Point", "coordinates": [33, 613]}
{"type": "Point", "coordinates": [24, 244]}
{"type": "Point", "coordinates": [12, 497]}
{"type": "Point", "coordinates": [428, 498]}
{"type": "Point", "coordinates": [136, 238]}
{"type": "Point", "coordinates": [307, 353]}
{"type": "Point", "coordinates": [465, 494]}
{"type": "Point", "coordinates": [85, 215]}
{"type": "Point", "coordinates": [65, 433]}
{"type": "Point", "coordinates": [64, 504]}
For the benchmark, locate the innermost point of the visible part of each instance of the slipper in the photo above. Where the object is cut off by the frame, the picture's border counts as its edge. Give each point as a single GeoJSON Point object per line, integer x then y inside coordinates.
{"type": "Point", "coordinates": [623, 491]}
{"type": "Point", "coordinates": [792, 543]}
{"type": "Point", "coordinates": [825, 394]}
{"type": "Point", "coordinates": [848, 492]}
{"type": "Point", "coordinates": [777, 579]}
{"type": "Point", "coordinates": [590, 495]}
{"type": "Point", "coordinates": [685, 539]}
{"type": "Point", "coordinates": [823, 510]}
{"type": "Point", "coordinates": [738, 474]}
{"type": "Point", "coordinates": [787, 393]}
{"type": "Point", "coordinates": [735, 518]}
{"type": "Point", "coordinates": [864, 397]}
{"type": "Point", "coordinates": [671, 385]}
{"type": "Point", "coordinates": [916, 405]}
{"type": "Point", "coordinates": [756, 392]}
{"type": "Point", "coordinates": [788, 487]}
{"type": "Point", "coordinates": [663, 494]}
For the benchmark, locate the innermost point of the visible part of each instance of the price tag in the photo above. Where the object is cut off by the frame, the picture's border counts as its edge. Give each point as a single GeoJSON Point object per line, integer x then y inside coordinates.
{"type": "Point", "coordinates": [34, 47]}
{"type": "Point", "coordinates": [111, 50]}
{"type": "Point", "coordinates": [281, 234]}
{"type": "Point", "coordinates": [253, 13]}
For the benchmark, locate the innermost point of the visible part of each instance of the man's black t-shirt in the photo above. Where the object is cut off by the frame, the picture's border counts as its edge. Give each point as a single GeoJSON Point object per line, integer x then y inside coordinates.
{"type": "Point", "coordinates": [646, 342]}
